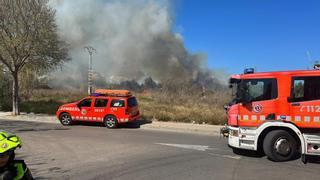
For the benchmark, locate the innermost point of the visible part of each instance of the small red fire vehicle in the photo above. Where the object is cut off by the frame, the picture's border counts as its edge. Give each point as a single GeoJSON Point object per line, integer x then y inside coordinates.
{"type": "Point", "coordinates": [111, 107]}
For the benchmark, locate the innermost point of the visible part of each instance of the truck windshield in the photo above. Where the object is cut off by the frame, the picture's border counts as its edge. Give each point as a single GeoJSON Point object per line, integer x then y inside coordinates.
{"type": "Point", "coordinates": [257, 89]}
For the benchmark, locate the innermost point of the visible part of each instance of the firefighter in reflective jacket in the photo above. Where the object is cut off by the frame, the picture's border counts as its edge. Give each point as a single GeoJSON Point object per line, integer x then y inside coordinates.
{"type": "Point", "coordinates": [10, 168]}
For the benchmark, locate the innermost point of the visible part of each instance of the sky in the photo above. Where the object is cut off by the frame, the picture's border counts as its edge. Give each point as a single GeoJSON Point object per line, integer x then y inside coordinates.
{"type": "Point", "coordinates": [269, 35]}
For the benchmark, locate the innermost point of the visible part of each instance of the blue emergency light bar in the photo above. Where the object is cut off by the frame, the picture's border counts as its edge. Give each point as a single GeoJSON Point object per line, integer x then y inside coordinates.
{"type": "Point", "coordinates": [101, 94]}
{"type": "Point", "coordinates": [249, 71]}
{"type": "Point", "coordinates": [97, 94]}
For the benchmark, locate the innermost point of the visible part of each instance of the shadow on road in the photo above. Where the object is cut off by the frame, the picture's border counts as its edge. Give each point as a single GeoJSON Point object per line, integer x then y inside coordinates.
{"type": "Point", "coordinates": [248, 153]}
{"type": "Point", "coordinates": [255, 154]}
{"type": "Point", "coordinates": [314, 159]}
{"type": "Point", "coordinates": [131, 125]}
{"type": "Point", "coordinates": [38, 172]}
{"type": "Point", "coordinates": [25, 126]}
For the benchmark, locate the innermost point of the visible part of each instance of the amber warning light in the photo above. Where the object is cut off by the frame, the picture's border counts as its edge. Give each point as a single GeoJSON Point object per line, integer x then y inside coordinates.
{"type": "Point", "coordinates": [109, 92]}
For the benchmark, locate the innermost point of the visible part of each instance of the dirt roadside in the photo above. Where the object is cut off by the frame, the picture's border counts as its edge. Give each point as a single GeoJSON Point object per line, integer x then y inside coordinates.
{"type": "Point", "coordinates": [148, 125]}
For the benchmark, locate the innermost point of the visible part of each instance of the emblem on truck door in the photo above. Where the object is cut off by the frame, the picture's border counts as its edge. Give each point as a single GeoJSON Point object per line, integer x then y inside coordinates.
{"type": "Point", "coordinates": [83, 112]}
{"type": "Point", "coordinates": [257, 108]}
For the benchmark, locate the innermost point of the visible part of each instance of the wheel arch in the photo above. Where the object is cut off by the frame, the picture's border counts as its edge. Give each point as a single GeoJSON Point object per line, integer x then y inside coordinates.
{"type": "Point", "coordinates": [267, 127]}
{"type": "Point", "coordinates": [109, 115]}
{"type": "Point", "coordinates": [64, 112]}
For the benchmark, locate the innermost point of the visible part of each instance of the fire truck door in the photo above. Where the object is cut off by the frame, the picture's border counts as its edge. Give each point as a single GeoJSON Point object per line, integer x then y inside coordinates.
{"type": "Point", "coordinates": [305, 102]}
{"type": "Point", "coordinates": [263, 94]}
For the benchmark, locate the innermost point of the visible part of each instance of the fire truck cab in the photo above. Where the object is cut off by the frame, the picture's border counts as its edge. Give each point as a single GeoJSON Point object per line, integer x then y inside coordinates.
{"type": "Point", "coordinates": [111, 107]}
{"type": "Point", "coordinates": [277, 113]}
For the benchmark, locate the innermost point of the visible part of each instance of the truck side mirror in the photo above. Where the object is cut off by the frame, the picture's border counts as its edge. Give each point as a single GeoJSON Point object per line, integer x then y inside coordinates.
{"type": "Point", "coordinates": [246, 99]}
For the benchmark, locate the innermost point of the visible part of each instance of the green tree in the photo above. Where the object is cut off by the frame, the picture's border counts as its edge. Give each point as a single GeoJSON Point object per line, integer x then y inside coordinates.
{"type": "Point", "coordinates": [28, 37]}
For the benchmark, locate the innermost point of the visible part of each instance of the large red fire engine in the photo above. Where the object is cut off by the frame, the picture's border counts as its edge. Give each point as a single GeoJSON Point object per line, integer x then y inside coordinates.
{"type": "Point", "coordinates": [112, 107]}
{"type": "Point", "coordinates": [277, 113]}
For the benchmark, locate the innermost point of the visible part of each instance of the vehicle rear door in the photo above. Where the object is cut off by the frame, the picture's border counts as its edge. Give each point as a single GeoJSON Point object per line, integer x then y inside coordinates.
{"type": "Point", "coordinates": [132, 107]}
{"type": "Point", "coordinates": [100, 109]}
{"type": "Point", "coordinates": [305, 101]}
{"type": "Point", "coordinates": [117, 108]}
{"type": "Point", "coordinates": [263, 94]}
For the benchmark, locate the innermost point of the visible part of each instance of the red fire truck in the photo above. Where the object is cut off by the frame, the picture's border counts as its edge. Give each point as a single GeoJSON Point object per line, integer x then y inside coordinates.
{"type": "Point", "coordinates": [112, 107]}
{"type": "Point", "coordinates": [277, 113]}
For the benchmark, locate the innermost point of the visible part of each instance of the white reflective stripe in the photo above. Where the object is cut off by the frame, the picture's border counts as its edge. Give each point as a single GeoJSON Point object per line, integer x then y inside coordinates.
{"type": "Point", "coordinates": [307, 119]}
{"type": "Point", "coordinates": [288, 118]}
{"type": "Point", "coordinates": [94, 118]}
{"type": "Point", "coordinates": [77, 117]}
{"type": "Point", "coordinates": [263, 118]}
{"type": "Point", "coordinates": [72, 117]}
{"type": "Point", "coordinates": [253, 117]}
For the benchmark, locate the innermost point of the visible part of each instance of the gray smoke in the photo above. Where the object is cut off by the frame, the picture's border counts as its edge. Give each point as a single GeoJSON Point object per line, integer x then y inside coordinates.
{"type": "Point", "coordinates": [133, 38]}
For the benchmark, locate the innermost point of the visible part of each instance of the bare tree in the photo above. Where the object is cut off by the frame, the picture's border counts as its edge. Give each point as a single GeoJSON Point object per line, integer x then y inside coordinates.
{"type": "Point", "coordinates": [28, 37]}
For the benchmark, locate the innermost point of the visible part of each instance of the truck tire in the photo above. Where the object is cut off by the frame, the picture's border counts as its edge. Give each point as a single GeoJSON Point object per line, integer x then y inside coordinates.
{"type": "Point", "coordinates": [65, 119]}
{"type": "Point", "coordinates": [110, 122]}
{"type": "Point", "coordinates": [280, 145]}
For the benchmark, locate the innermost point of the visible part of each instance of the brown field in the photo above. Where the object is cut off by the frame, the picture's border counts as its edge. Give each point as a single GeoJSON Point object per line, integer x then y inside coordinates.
{"type": "Point", "coordinates": [159, 106]}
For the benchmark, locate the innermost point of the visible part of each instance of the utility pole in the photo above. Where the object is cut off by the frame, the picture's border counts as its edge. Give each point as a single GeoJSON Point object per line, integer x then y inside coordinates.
{"type": "Point", "coordinates": [90, 50]}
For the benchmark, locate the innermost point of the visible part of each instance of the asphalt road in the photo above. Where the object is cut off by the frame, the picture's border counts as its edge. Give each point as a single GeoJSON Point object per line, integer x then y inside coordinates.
{"type": "Point", "coordinates": [92, 152]}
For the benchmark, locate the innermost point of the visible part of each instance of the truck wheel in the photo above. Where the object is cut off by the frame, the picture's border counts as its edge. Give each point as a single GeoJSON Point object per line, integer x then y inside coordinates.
{"type": "Point", "coordinates": [279, 145]}
{"type": "Point", "coordinates": [111, 122]}
{"type": "Point", "coordinates": [65, 119]}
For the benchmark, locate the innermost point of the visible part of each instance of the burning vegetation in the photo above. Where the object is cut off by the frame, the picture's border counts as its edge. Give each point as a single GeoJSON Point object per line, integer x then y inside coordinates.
{"type": "Point", "coordinates": [137, 50]}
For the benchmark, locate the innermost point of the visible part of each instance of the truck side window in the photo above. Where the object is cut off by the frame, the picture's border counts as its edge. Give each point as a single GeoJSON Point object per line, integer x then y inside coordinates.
{"type": "Point", "coordinates": [117, 103]}
{"type": "Point", "coordinates": [298, 89]}
{"type": "Point", "coordinates": [85, 103]}
{"type": "Point", "coordinates": [306, 88]}
{"type": "Point", "coordinates": [262, 89]}
{"type": "Point", "coordinates": [101, 103]}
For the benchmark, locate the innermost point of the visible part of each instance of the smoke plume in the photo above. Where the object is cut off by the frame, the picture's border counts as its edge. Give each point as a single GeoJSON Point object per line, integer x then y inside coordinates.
{"type": "Point", "coordinates": [133, 39]}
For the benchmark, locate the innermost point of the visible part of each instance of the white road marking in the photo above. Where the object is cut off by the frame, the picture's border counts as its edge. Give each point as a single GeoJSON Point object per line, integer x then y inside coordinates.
{"type": "Point", "coordinates": [187, 146]}
{"type": "Point", "coordinates": [225, 156]}
{"type": "Point", "coordinates": [200, 148]}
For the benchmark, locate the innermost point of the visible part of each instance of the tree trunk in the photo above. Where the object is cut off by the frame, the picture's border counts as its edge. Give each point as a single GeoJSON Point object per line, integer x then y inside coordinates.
{"type": "Point", "coordinates": [15, 94]}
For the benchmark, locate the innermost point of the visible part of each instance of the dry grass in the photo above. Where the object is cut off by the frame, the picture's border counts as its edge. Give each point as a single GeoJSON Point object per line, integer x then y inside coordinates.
{"type": "Point", "coordinates": [187, 108]}
{"type": "Point", "coordinates": [48, 101]}
{"type": "Point", "coordinates": [153, 105]}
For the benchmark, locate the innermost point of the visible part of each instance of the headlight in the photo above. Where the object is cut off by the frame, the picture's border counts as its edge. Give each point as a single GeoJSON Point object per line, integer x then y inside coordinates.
{"type": "Point", "coordinates": [234, 133]}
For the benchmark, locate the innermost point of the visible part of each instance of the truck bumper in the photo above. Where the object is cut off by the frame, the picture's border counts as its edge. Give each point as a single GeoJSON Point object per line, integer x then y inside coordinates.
{"type": "Point", "coordinates": [242, 138]}
{"type": "Point", "coordinates": [233, 139]}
